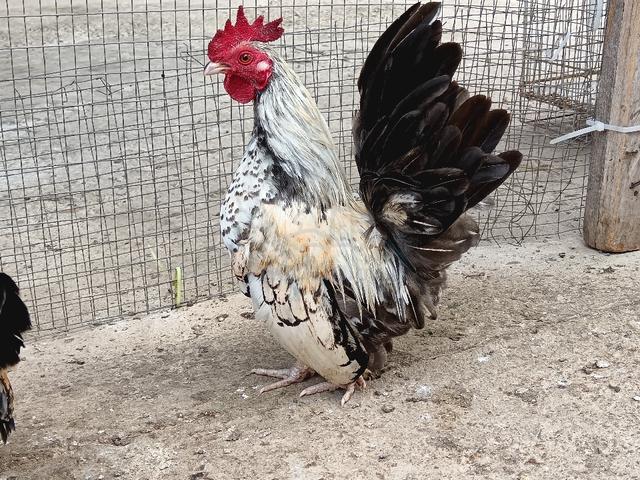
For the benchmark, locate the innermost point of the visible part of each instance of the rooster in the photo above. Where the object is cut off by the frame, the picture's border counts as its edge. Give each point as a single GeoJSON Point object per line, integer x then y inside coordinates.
{"type": "Point", "coordinates": [335, 276]}
{"type": "Point", "coordinates": [14, 320]}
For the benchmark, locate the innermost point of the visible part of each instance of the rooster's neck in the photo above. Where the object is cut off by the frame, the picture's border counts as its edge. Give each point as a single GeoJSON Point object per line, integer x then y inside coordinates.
{"type": "Point", "coordinates": [290, 125]}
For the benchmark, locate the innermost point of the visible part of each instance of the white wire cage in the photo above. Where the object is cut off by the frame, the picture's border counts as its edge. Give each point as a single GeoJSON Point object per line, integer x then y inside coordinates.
{"type": "Point", "coordinates": [116, 151]}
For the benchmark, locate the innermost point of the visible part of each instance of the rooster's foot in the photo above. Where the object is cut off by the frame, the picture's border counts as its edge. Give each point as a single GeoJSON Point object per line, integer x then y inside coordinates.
{"type": "Point", "coordinates": [330, 387]}
{"type": "Point", "coordinates": [296, 374]}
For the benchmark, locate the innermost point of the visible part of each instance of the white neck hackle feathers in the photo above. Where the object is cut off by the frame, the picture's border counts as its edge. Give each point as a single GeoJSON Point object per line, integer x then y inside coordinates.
{"type": "Point", "coordinates": [299, 136]}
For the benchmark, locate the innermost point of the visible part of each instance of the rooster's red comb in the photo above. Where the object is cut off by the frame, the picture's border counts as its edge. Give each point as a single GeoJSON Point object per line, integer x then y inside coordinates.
{"type": "Point", "coordinates": [243, 31]}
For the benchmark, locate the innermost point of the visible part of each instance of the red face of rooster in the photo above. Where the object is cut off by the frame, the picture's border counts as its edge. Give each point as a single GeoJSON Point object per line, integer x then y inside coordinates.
{"type": "Point", "coordinates": [232, 51]}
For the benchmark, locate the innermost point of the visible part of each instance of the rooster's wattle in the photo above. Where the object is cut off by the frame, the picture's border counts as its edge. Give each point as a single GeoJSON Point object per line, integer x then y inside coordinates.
{"type": "Point", "coordinates": [334, 277]}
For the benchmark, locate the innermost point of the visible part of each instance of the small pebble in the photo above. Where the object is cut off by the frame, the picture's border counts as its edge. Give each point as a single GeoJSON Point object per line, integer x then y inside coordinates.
{"type": "Point", "coordinates": [563, 383]}
{"type": "Point", "coordinates": [588, 369]}
{"type": "Point", "coordinates": [119, 441]}
{"type": "Point", "coordinates": [615, 388]}
{"type": "Point", "coordinates": [388, 408]}
{"type": "Point", "coordinates": [423, 392]}
{"type": "Point", "coordinates": [637, 398]}
{"type": "Point", "coordinates": [602, 364]}
{"type": "Point", "coordinates": [232, 436]}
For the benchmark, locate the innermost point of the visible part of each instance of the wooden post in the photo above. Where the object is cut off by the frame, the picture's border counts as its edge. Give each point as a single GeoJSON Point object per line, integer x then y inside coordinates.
{"type": "Point", "coordinates": [612, 211]}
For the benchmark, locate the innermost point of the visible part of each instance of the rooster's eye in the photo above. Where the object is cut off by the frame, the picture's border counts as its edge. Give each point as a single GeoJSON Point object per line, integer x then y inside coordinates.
{"type": "Point", "coordinates": [245, 58]}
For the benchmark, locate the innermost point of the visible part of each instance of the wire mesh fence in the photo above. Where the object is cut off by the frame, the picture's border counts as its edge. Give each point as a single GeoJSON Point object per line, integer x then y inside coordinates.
{"type": "Point", "coordinates": [116, 151]}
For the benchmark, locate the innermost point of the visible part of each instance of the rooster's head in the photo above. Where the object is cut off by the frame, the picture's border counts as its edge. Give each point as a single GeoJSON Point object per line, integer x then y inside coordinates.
{"type": "Point", "coordinates": [234, 52]}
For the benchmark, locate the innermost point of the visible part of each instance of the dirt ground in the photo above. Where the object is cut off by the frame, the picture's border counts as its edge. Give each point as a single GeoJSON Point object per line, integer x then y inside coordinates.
{"type": "Point", "coordinates": [531, 371]}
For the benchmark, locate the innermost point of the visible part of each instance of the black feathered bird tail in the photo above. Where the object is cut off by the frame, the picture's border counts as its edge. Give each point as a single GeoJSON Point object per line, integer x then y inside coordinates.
{"type": "Point", "coordinates": [424, 150]}
{"type": "Point", "coordinates": [14, 321]}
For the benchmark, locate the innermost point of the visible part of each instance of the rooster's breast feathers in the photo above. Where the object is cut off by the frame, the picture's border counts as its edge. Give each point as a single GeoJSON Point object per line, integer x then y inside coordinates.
{"type": "Point", "coordinates": [303, 264]}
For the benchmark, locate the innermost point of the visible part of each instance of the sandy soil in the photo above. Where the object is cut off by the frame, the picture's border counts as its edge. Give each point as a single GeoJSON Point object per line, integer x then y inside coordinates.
{"type": "Point", "coordinates": [504, 385]}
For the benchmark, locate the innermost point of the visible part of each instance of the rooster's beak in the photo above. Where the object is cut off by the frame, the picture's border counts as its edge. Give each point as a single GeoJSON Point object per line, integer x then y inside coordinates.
{"type": "Point", "coordinates": [212, 68]}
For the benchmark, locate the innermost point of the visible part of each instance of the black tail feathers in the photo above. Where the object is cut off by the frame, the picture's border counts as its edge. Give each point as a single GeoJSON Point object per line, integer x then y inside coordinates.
{"type": "Point", "coordinates": [14, 320]}
{"type": "Point", "coordinates": [423, 146]}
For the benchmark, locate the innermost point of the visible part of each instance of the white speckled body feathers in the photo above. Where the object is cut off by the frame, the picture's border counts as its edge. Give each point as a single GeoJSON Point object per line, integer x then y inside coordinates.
{"type": "Point", "coordinates": [250, 188]}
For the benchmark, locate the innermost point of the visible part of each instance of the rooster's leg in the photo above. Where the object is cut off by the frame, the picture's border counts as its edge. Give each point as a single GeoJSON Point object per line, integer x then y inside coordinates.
{"type": "Point", "coordinates": [7, 425]}
{"type": "Point", "coordinates": [330, 387]}
{"type": "Point", "coordinates": [296, 374]}
{"type": "Point", "coordinates": [239, 262]}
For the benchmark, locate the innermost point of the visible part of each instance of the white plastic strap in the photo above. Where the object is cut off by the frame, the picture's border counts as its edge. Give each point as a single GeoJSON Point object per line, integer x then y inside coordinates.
{"type": "Point", "coordinates": [556, 53]}
{"type": "Point", "coordinates": [595, 126]}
